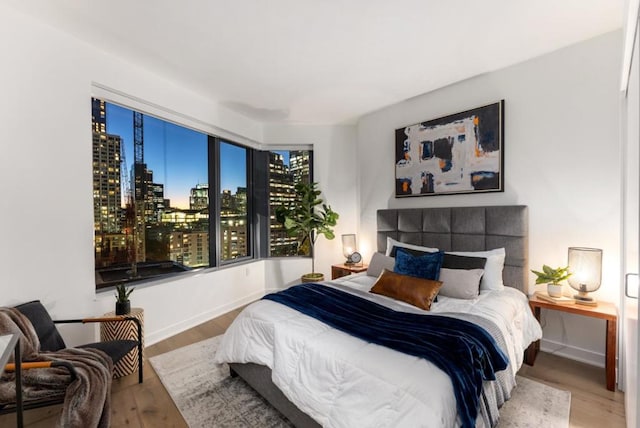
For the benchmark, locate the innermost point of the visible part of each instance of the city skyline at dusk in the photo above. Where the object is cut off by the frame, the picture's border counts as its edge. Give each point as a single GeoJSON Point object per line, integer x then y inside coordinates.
{"type": "Point", "coordinates": [178, 156]}
{"type": "Point", "coordinates": [167, 218]}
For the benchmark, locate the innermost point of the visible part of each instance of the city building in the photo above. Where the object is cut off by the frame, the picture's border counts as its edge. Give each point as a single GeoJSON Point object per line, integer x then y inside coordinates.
{"type": "Point", "coordinates": [233, 229]}
{"type": "Point", "coordinates": [199, 197]}
{"type": "Point", "coordinates": [299, 165]}
{"type": "Point", "coordinates": [189, 248]}
{"type": "Point", "coordinates": [109, 242]}
{"type": "Point", "coordinates": [106, 173]}
{"type": "Point", "coordinates": [281, 192]}
{"type": "Point", "coordinates": [107, 196]}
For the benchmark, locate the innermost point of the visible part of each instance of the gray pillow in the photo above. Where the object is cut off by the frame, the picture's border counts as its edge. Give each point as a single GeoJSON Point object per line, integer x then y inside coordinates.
{"type": "Point", "coordinates": [379, 262]}
{"type": "Point", "coordinates": [460, 283]}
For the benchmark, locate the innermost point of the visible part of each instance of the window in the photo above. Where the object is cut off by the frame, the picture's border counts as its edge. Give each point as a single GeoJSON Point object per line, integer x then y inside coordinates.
{"type": "Point", "coordinates": [286, 168]}
{"type": "Point", "coordinates": [233, 202]}
{"type": "Point", "coordinates": [169, 199]}
{"type": "Point", "coordinates": [145, 173]}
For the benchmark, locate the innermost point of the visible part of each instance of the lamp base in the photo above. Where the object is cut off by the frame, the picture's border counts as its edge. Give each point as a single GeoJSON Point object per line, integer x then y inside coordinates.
{"type": "Point", "coordinates": [585, 300]}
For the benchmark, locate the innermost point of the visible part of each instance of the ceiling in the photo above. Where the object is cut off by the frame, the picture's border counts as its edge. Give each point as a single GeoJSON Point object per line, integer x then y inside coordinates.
{"type": "Point", "coordinates": [325, 62]}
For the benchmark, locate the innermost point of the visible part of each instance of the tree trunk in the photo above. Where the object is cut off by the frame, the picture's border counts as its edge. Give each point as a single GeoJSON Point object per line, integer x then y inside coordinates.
{"type": "Point", "coordinates": [312, 247]}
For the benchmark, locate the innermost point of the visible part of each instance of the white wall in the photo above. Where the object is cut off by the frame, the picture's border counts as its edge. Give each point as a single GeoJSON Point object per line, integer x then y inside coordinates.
{"type": "Point", "coordinates": [46, 176]}
{"type": "Point", "coordinates": [562, 159]}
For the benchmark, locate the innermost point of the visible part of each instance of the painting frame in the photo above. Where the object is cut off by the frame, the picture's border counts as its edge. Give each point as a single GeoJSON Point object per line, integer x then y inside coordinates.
{"type": "Point", "coordinates": [461, 153]}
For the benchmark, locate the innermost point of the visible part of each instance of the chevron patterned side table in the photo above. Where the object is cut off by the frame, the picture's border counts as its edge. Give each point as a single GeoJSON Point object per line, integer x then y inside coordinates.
{"type": "Point", "coordinates": [124, 331]}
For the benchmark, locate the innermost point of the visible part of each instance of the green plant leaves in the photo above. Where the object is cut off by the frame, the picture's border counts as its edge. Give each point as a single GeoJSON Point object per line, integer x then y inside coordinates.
{"type": "Point", "coordinates": [550, 275]}
{"type": "Point", "coordinates": [123, 292]}
{"type": "Point", "coordinates": [307, 216]}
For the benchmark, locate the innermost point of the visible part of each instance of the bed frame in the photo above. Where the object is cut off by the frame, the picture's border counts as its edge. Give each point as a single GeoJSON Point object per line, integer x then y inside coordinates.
{"type": "Point", "coordinates": [465, 229]}
{"type": "Point", "coordinates": [449, 229]}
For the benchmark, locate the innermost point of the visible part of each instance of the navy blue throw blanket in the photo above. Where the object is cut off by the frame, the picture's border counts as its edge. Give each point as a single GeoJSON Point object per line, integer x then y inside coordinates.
{"type": "Point", "coordinates": [463, 350]}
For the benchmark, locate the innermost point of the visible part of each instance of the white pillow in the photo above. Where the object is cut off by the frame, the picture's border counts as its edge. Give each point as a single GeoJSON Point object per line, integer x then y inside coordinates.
{"type": "Point", "coordinates": [492, 278]}
{"type": "Point", "coordinates": [393, 243]}
{"type": "Point", "coordinates": [460, 283]}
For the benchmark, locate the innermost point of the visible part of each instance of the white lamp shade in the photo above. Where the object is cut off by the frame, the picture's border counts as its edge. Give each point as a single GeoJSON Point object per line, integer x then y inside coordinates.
{"type": "Point", "coordinates": [585, 265]}
{"type": "Point", "coordinates": [348, 244]}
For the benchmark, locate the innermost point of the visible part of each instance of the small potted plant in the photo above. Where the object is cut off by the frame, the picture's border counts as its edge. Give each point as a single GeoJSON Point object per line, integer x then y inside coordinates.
{"type": "Point", "coordinates": [123, 305]}
{"type": "Point", "coordinates": [552, 277]}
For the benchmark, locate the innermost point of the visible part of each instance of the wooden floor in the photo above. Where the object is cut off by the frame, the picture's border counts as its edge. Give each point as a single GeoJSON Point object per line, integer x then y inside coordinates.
{"type": "Point", "coordinates": [149, 405]}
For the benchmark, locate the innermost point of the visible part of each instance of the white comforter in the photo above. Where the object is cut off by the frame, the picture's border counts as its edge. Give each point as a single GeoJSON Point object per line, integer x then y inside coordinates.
{"type": "Point", "coordinates": [342, 381]}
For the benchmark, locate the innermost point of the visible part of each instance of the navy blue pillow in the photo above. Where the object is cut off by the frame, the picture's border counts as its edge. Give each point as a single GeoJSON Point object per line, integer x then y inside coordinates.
{"type": "Point", "coordinates": [453, 261]}
{"type": "Point", "coordinates": [425, 266]}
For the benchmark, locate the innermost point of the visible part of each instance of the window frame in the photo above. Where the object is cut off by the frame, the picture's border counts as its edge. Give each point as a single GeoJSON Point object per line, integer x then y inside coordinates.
{"type": "Point", "coordinates": [257, 181]}
{"type": "Point", "coordinates": [218, 195]}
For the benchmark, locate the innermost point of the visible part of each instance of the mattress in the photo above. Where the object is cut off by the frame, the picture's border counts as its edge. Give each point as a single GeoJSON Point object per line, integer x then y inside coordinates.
{"type": "Point", "coordinates": [342, 381]}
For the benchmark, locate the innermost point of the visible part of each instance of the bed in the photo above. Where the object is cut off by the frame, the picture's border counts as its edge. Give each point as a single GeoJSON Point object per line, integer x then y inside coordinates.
{"type": "Point", "coordinates": [318, 375]}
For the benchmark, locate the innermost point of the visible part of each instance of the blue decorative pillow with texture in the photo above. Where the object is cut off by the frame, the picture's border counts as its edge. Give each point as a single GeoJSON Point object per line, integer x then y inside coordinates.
{"type": "Point", "coordinates": [422, 266]}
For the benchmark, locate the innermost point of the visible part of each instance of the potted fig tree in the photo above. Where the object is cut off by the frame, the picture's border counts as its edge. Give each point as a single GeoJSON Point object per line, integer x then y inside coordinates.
{"type": "Point", "coordinates": [307, 217]}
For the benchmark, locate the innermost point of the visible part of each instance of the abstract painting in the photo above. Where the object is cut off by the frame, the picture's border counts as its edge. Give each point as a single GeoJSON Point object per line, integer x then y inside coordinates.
{"type": "Point", "coordinates": [459, 153]}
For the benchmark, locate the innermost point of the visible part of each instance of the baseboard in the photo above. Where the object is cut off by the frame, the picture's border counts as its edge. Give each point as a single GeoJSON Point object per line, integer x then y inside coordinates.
{"type": "Point", "coordinates": [572, 352]}
{"type": "Point", "coordinates": [177, 328]}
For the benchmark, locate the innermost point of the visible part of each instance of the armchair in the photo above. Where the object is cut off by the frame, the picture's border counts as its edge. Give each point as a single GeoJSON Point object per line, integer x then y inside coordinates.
{"type": "Point", "coordinates": [51, 340]}
{"type": "Point", "coordinates": [52, 344]}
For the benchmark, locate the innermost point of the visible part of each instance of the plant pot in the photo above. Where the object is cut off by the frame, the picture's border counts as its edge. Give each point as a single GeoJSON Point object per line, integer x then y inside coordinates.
{"type": "Point", "coordinates": [554, 290]}
{"type": "Point", "coordinates": [123, 308]}
{"type": "Point", "coordinates": [312, 277]}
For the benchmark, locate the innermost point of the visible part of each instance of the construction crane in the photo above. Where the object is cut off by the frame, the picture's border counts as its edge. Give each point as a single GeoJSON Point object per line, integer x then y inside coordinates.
{"type": "Point", "coordinates": [129, 213]}
{"type": "Point", "coordinates": [134, 227]}
{"type": "Point", "coordinates": [138, 137]}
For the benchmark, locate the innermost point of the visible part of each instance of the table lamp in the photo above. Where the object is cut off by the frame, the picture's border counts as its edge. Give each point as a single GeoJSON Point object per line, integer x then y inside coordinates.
{"type": "Point", "coordinates": [349, 249]}
{"type": "Point", "coordinates": [585, 266]}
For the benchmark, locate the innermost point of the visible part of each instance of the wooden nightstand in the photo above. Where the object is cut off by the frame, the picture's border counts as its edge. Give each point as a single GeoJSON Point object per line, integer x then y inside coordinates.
{"type": "Point", "coordinates": [605, 310]}
{"type": "Point", "coordinates": [338, 271]}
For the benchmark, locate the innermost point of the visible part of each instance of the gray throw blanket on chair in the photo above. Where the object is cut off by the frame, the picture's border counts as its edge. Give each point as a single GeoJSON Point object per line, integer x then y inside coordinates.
{"type": "Point", "coordinates": [86, 400]}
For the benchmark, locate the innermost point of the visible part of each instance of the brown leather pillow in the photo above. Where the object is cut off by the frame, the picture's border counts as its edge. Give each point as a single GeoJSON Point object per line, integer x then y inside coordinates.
{"type": "Point", "coordinates": [413, 290]}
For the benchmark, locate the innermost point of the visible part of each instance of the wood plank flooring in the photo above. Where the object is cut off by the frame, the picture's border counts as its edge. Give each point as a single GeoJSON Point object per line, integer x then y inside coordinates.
{"type": "Point", "coordinates": [150, 406]}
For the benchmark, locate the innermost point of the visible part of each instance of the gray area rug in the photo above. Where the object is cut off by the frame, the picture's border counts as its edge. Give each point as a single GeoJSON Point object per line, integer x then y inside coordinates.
{"type": "Point", "coordinates": [207, 397]}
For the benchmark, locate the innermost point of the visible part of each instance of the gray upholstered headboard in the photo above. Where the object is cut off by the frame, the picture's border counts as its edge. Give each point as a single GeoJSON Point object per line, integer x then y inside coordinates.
{"type": "Point", "coordinates": [465, 229]}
